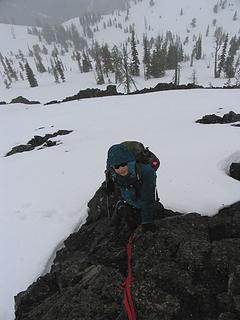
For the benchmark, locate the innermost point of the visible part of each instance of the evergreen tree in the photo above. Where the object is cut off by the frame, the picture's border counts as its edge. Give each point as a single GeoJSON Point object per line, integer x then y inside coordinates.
{"type": "Point", "coordinates": [7, 84]}
{"type": "Point", "coordinates": [106, 60]}
{"type": "Point", "coordinates": [234, 45]}
{"type": "Point", "coordinates": [30, 76]}
{"type": "Point", "coordinates": [98, 64]}
{"type": "Point", "coordinates": [36, 49]}
{"type": "Point", "coordinates": [215, 8]}
{"type": "Point", "coordinates": [229, 67]}
{"type": "Point", "coordinates": [21, 66]}
{"type": "Point", "coordinates": [218, 39]}
{"type": "Point", "coordinates": [75, 37]}
{"type": "Point", "coordinates": [158, 59]}
{"type": "Point", "coordinates": [172, 57]}
{"type": "Point", "coordinates": [222, 57]}
{"type": "Point", "coordinates": [6, 71]}
{"type": "Point", "coordinates": [146, 58]}
{"type": "Point", "coordinates": [135, 71]}
{"type": "Point", "coordinates": [60, 68]}
{"type": "Point", "coordinates": [193, 23]}
{"type": "Point", "coordinates": [86, 63]}
{"type": "Point", "coordinates": [54, 71]}
{"type": "Point", "coordinates": [12, 73]}
{"type": "Point", "coordinates": [77, 56]}
{"type": "Point", "coordinates": [117, 63]}
{"type": "Point", "coordinates": [39, 65]}
{"type": "Point", "coordinates": [199, 48]}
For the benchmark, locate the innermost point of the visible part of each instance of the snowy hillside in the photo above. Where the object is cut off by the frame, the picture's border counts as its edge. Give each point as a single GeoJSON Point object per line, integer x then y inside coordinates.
{"type": "Point", "coordinates": [181, 21]}
{"type": "Point", "coordinates": [44, 192]}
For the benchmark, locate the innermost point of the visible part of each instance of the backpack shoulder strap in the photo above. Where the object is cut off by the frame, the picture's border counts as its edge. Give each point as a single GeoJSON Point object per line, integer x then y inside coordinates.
{"type": "Point", "coordinates": [138, 172]}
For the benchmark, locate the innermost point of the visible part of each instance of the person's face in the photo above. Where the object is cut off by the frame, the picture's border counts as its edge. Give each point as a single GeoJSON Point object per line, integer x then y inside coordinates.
{"type": "Point", "coordinates": [121, 169]}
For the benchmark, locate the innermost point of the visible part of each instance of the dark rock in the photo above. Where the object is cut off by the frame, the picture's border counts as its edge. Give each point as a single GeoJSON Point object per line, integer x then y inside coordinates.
{"type": "Point", "coordinates": [227, 118]}
{"type": "Point", "coordinates": [166, 86]}
{"type": "Point", "coordinates": [231, 117]}
{"type": "Point", "coordinates": [37, 141]}
{"type": "Point", "coordinates": [3, 102]}
{"type": "Point", "coordinates": [112, 90]}
{"type": "Point", "coordinates": [21, 99]}
{"type": "Point", "coordinates": [234, 171]}
{"type": "Point", "coordinates": [20, 148]}
{"type": "Point", "coordinates": [63, 132]}
{"type": "Point", "coordinates": [93, 93]}
{"type": "Point", "coordinates": [188, 269]}
{"type": "Point", "coordinates": [50, 143]}
{"type": "Point", "coordinates": [52, 102]}
{"type": "Point", "coordinates": [210, 118]}
{"type": "Point", "coordinates": [226, 224]}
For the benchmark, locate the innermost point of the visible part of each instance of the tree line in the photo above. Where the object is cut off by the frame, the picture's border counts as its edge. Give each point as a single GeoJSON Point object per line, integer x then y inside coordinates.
{"type": "Point", "coordinates": [119, 62]}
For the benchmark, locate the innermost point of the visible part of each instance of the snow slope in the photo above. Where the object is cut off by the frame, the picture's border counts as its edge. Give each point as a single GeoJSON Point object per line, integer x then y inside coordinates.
{"type": "Point", "coordinates": [44, 192]}
{"type": "Point", "coordinates": [152, 21]}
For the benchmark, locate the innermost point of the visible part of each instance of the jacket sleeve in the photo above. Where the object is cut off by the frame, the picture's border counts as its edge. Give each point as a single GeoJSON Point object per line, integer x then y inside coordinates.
{"type": "Point", "coordinates": [147, 194]}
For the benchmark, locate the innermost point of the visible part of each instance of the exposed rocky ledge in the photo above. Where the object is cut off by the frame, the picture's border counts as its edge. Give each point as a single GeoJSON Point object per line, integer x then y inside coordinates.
{"type": "Point", "coordinates": [37, 141]}
{"type": "Point", "coordinates": [188, 269]}
{"type": "Point", "coordinates": [229, 117]}
{"type": "Point", "coordinates": [111, 90]}
{"type": "Point", "coordinates": [21, 99]}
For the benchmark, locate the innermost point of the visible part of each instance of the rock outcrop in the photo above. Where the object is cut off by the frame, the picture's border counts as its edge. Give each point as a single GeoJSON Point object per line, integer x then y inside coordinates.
{"type": "Point", "coordinates": [37, 141]}
{"type": "Point", "coordinates": [21, 99]}
{"type": "Point", "coordinates": [94, 93]}
{"type": "Point", "coordinates": [229, 117]}
{"type": "Point", "coordinates": [234, 171]}
{"type": "Point", "coordinates": [188, 269]}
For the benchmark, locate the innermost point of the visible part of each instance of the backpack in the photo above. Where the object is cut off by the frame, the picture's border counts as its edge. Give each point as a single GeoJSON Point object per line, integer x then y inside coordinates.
{"type": "Point", "coordinates": [142, 154]}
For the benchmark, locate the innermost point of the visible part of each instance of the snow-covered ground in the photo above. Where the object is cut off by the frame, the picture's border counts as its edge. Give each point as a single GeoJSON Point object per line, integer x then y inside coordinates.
{"type": "Point", "coordinates": [44, 192]}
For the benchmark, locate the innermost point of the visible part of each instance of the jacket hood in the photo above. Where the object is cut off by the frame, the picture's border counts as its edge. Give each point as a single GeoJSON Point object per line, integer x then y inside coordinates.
{"type": "Point", "coordinates": [117, 154]}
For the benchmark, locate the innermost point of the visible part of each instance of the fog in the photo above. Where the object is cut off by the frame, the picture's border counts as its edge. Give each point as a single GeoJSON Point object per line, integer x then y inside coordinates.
{"type": "Point", "coordinates": [31, 12]}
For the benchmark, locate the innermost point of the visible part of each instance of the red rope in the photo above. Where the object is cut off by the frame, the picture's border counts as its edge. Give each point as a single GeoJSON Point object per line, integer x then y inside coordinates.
{"type": "Point", "coordinates": [126, 285]}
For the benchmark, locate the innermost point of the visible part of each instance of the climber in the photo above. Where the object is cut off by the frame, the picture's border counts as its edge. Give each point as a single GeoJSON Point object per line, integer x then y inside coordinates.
{"type": "Point", "coordinates": [137, 184]}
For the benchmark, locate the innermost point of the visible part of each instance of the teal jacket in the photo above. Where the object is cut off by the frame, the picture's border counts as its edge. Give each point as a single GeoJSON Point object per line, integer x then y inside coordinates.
{"type": "Point", "coordinates": [139, 186]}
